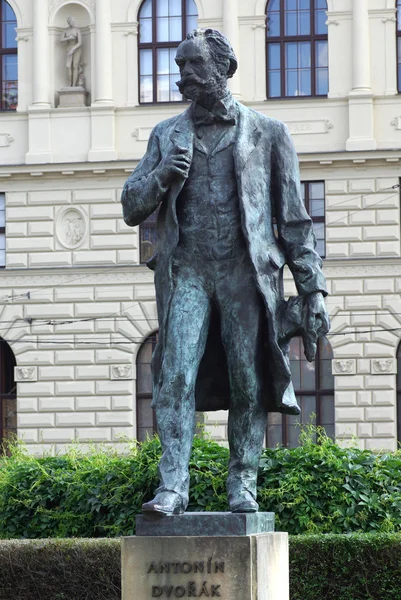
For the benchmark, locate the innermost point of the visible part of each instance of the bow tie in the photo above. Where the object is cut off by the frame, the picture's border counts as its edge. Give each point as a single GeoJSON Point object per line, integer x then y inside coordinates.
{"type": "Point", "coordinates": [219, 114]}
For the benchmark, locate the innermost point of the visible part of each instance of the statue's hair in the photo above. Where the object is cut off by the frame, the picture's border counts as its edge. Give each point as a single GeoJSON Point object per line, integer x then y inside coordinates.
{"type": "Point", "coordinates": [220, 48]}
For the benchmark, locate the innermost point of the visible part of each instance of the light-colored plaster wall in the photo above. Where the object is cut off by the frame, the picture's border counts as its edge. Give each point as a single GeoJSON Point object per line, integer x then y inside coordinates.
{"type": "Point", "coordinates": [60, 165]}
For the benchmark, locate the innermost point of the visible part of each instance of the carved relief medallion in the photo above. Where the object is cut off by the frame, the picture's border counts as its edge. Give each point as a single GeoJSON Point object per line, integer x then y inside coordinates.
{"type": "Point", "coordinates": [382, 365]}
{"type": "Point", "coordinates": [121, 372]}
{"type": "Point", "coordinates": [71, 228]}
{"type": "Point", "coordinates": [344, 367]}
{"type": "Point", "coordinates": [26, 373]}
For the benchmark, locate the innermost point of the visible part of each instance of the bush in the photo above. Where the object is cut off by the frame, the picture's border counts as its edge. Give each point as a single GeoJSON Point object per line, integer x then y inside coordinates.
{"type": "Point", "coordinates": [334, 567]}
{"type": "Point", "coordinates": [60, 570]}
{"type": "Point", "coordinates": [345, 567]}
{"type": "Point", "coordinates": [316, 488]}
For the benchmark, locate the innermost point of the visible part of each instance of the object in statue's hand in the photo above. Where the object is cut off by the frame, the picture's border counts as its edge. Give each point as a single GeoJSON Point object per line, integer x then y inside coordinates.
{"type": "Point", "coordinates": [305, 317]}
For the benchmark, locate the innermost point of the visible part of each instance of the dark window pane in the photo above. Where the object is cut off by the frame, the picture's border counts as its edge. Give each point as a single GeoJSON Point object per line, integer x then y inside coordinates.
{"type": "Point", "coordinates": [304, 23]}
{"type": "Point", "coordinates": [274, 84]}
{"type": "Point", "coordinates": [304, 55]}
{"type": "Point", "coordinates": [175, 34]}
{"type": "Point", "coordinates": [291, 25]}
{"type": "Point", "coordinates": [146, 10]}
{"type": "Point", "coordinates": [192, 23]}
{"type": "Point", "coordinates": [316, 208]}
{"type": "Point", "coordinates": [10, 82]}
{"type": "Point", "coordinates": [322, 82]}
{"type": "Point", "coordinates": [320, 22]}
{"type": "Point", "coordinates": [174, 8]}
{"type": "Point", "coordinates": [163, 88]}
{"type": "Point", "coordinates": [162, 29]}
{"type": "Point", "coordinates": [273, 6]}
{"type": "Point", "coordinates": [145, 31]}
{"type": "Point", "coordinates": [326, 377]}
{"type": "Point", "coordinates": [162, 8]}
{"type": "Point", "coordinates": [316, 190]}
{"type": "Point", "coordinates": [291, 83]}
{"type": "Point", "coordinates": [290, 5]}
{"type": "Point", "coordinates": [274, 430]}
{"type": "Point", "coordinates": [274, 56]}
{"type": "Point", "coordinates": [191, 8]}
{"type": "Point", "coordinates": [307, 376]}
{"type": "Point", "coordinates": [146, 62]}
{"type": "Point", "coordinates": [9, 35]}
{"type": "Point", "coordinates": [304, 4]}
{"type": "Point", "coordinates": [291, 54]}
{"type": "Point", "coordinates": [327, 410]}
{"type": "Point", "coordinates": [322, 59]}
{"type": "Point", "coordinates": [146, 89]}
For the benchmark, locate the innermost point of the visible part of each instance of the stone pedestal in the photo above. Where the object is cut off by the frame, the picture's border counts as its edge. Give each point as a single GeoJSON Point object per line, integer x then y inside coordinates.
{"type": "Point", "coordinates": [206, 555]}
{"type": "Point", "coordinates": [73, 97]}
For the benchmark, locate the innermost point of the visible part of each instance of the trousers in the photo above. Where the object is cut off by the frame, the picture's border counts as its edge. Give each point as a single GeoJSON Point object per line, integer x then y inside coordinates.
{"type": "Point", "coordinates": [202, 289]}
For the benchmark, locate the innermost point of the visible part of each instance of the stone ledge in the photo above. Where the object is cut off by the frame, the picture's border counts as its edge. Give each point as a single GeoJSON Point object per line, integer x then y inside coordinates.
{"type": "Point", "coordinates": [205, 524]}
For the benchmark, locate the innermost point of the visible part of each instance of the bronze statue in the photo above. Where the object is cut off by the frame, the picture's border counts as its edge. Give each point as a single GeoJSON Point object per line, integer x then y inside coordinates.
{"type": "Point", "coordinates": [221, 175]}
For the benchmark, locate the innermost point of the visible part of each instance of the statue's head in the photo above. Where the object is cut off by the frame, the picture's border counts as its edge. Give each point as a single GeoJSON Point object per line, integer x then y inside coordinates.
{"type": "Point", "coordinates": [206, 61]}
{"type": "Point", "coordinates": [71, 21]}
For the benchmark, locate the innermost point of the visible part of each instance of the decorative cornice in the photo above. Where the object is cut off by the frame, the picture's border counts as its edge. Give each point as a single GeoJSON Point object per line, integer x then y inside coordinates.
{"type": "Point", "coordinates": [389, 20]}
{"type": "Point", "coordinates": [332, 22]}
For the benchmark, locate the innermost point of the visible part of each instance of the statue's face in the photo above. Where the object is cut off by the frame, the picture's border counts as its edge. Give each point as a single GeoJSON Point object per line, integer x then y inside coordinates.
{"type": "Point", "coordinates": [71, 21]}
{"type": "Point", "coordinates": [200, 75]}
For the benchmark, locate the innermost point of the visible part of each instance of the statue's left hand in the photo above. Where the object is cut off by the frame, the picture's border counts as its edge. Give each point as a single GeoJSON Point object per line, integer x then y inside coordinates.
{"type": "Point", "coordinates": [317, 322]}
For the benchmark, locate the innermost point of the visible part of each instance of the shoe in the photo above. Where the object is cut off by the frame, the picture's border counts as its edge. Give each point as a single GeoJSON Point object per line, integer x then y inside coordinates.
{"type": "Point", "coordinates": [165, 504]}
{"type": "Point", "coordinates": [243, 503]}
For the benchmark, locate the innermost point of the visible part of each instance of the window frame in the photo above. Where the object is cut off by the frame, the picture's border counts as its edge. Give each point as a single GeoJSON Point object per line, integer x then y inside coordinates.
{"type": "Point", "coordinates": [316, 220]}
{"type": "Point", "coordinates": [318, 393]}
{"type": "Point", "coordinates": [6, 52]}
{"type": "Point", "coordinates": [7, 390]}
{"type": "Point", "coordinates": [140, 396]}
{"type": "Point", "coordinates": [154, 46]}
{"type": "Point", "coordinates": [282, 39]}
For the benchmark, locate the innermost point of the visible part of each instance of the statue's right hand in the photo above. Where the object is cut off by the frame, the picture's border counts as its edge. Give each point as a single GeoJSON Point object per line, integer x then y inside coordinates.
{"type": "Point", "coordinates": [174, 165]}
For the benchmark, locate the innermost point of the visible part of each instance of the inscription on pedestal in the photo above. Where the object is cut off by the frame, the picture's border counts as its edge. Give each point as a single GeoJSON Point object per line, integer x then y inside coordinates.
{"type": "Point", "coordinates": [188, 589]}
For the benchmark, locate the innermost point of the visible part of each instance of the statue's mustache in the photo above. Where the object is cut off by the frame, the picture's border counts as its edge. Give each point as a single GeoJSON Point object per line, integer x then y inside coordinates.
{"type": "Point", "coordinates": [187, 80]}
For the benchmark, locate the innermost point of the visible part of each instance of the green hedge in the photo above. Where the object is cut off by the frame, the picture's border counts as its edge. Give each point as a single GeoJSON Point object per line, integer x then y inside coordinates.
{"type": "Point", "coordinates": [316, 488]}
{"type": "Point", "coordinates": [333, 567]}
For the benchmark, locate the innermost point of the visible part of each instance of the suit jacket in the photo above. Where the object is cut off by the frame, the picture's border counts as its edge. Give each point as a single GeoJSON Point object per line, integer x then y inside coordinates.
{"type": "Point", "coordinates": [268, 182]}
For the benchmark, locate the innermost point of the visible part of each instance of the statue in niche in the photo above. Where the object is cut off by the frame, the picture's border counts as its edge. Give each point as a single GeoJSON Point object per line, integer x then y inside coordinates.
{"type": "Point", "coordinates": [224, 177]}
{"type": "Point", "coordinates": [72, 36]}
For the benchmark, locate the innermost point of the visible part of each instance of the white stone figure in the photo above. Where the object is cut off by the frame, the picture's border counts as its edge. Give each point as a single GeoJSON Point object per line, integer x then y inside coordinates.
{"type": "Point", "coordinates": [72, 36]}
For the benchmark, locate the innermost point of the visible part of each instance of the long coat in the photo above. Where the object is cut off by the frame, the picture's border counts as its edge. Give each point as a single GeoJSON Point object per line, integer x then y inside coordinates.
{"type": "Point", "coordinates": [268, 182]}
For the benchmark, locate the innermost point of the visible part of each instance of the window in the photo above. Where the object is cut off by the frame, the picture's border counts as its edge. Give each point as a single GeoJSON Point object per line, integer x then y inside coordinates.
{"type": "Point", "coordinates": [297, 48]}
{"type": "Point", "coordinates": [313, 196]}
{"type": "Point", "coordinates": [9, 58]}
{"type": "Point", "coordinates": [314, 388]}
{"type": "Point", "coordinates": [8, 397]}
{"type": "Point", "coordinates": [145, 416]}
{"type": "Point", "coordinates": [148, 238]}
{"type": "Point", "coordinates": [163, 24]}
{"type": "Point", "coordinates": [399, 44]}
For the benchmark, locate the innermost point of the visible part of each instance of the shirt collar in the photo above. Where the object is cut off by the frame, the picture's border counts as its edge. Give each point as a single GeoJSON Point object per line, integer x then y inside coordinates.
{"type": "Point", "coordinates": [225, 110]}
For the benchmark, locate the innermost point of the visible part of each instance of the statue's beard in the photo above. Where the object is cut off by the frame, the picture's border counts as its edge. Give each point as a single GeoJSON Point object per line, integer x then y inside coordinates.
{"type": "Point", "coordinates": [204, 91]}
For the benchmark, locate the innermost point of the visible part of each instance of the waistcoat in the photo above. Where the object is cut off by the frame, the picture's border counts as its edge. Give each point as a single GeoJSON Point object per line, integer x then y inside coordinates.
{"type": "Point", "coordinates": [208, 207]}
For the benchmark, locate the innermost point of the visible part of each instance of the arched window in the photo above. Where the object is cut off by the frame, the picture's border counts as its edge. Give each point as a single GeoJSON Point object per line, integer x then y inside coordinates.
{"type": "Point", "coordinates": [297, 48]}
{"type": "Point", "coordinates": [399, 44]}
{"type": "Point", "coordinates": [163, 24]}
{"type": "Point", "coordinates": [145, 417]}
{"type": "Point", "coordinates": [148, 238]}
{"type": "Point", "coordinates": [8, 397]}
{"type": "Point", "coordinates": [9, 58]}
{"type": "Point", "coordinates": [314, 388]}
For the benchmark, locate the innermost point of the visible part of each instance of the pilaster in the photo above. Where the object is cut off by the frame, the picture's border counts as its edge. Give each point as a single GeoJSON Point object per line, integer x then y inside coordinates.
{"type": "Point", "coordinates": [361, 120]}
{"type": "Point", "coordinates": [39, 112]}
{"type": "Point", "coordinates": [231, 31]}
{"type": "Point", "coordinates": [102, 111]}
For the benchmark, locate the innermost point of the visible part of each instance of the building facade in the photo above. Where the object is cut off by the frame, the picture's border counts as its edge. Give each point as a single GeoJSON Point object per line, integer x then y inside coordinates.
{"type": "Point", "coordinates": [78, 314]}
